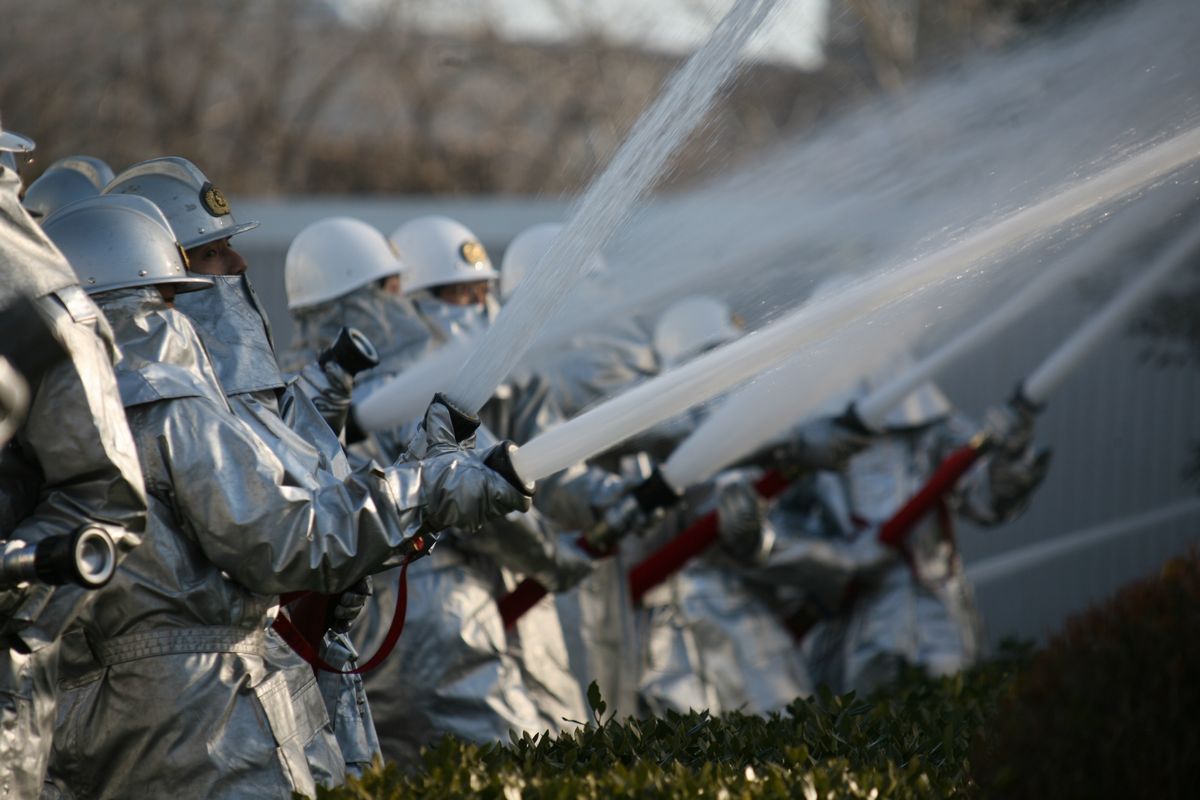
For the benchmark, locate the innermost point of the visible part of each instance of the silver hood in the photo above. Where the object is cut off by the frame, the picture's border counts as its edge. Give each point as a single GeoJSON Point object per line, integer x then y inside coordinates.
{"type": "Point", "coordinates": [163, 356]}
{"type": "Point", "coordinates": [235, 330]}
{"type": "Point", "coordinates": [390, 322]}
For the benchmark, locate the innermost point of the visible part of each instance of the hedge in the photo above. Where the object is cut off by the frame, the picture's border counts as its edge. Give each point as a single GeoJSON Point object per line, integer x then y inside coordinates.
{"type": "Point", "coordinates": [912, 742]}
{"type": "Point", "coordinates": [1109, 708]}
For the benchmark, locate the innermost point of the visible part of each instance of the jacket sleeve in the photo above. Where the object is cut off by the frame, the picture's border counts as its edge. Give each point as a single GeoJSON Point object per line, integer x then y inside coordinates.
{"type": "Point", "coordinates": [982, 495]}
{"type": "Point", "coordinates": [76, 440]}
{"type": "Point", "coordinates": [258, 523]}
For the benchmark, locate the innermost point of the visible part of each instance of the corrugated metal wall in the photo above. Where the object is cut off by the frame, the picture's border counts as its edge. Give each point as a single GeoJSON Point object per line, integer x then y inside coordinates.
{"type": "Point", "coordinates": [1121, 431]}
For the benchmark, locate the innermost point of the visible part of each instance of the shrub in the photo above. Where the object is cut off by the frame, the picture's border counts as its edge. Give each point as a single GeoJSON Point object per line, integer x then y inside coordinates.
{"type": "Point", "coordinates": [910, 742]}
{"type": "Point", "coordinates": [1111, 707]}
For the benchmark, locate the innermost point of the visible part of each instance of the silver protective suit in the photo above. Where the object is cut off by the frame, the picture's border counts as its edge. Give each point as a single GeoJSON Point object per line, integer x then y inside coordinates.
{"type": "Point", "coordinates": [597, 364]}
{"type": "Point", "coordinates": [236, 332]}
{"type": "Point", "coordinates": [455, 669]}
{"type": "Point", "coordinates": [389, 321]}
{"type": "Point", "coordinates": [180, 633]}
{"type": "Point", "coordinates": [451, 672]}
{"type": "Point", "coordinates": [597, 618]}
{"type": "Point", "coordinates": [710, 639]}
{"type": "Point", "coordinates": [875, 611]}
{"type": "Point", "coordinates": [71, 463]}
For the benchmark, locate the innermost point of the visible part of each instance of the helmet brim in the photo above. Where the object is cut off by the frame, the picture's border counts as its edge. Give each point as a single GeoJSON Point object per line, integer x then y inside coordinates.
{"type": "Point", "coordinates": [484, 275]}
{"type": "Point", "coordinates": [190, 283]}
{"type": "Point", "coordinates": [15, 142]}
{"type": "Point", "coordinates": [219, 234]}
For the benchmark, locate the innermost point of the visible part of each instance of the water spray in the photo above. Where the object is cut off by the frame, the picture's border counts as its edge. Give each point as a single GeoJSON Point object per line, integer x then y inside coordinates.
{"type": "Point", "coordinates": [609, 201]}
{"type": "Point", "coordinates": [1029, 399]}
{"type": "Point", "coordinates": [717, 371]}
{"type": "Point", "coordinates": [405, 397]}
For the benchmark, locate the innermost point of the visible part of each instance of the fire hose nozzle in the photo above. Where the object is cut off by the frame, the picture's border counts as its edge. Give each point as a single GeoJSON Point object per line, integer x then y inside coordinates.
{"type": "Point", "coordinates": [655, 493]}
{"type": "Point", "coordinates": [851, 420]}
{"type": "Point", "coordinates": [87, 558]}
{"type": "Point", "coordinates": [500, 459]}
{"type": "Point", "coordinates": [1022, 404]}
{"type": "Point", "coordinates": [352, 351]}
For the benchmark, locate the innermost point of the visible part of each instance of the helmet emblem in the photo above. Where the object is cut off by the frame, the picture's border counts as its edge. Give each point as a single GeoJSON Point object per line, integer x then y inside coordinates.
{"type": "Point", "coordinates": [214, 201]}
{"type": "Point", "coordinates": [473, 253]}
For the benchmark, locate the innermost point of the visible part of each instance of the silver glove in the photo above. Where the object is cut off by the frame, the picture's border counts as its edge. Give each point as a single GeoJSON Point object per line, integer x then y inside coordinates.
{"type": "Point", "coordinates": [1016, 467]}
{"type": "Point", "coordinates": [820, 444]}
{"type": "Point", "coordinates": [330, 387]}
{"type": "Point", "coordinates": [741, 520]}
{"type": "Point", "coordinates": [350, 604]}
{"type": "Point", "coordinates": [458, 489]}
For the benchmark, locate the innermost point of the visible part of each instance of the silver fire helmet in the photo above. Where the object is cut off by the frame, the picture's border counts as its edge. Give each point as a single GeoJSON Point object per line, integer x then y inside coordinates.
{"type": "Point", "coordinates": [197, 211]}
{"type": "Point", "coordinates": [64, 182]}
{"type": "Point", "coordinates": [118, 242]}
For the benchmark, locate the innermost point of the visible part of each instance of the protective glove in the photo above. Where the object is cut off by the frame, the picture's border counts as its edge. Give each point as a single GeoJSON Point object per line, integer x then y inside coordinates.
{"type": "Point", "coordinates": [1010, 428]}
{"type": "Point", "coordinates": [349, 605]}
{"type": "Point", "coordinates": [458, 488]}
{"type": "Point", "coordinates": [640, 502]}
{"type": "Point", "coordinates": [1016, 467]}
{"type": "Point", "coordinates": [820, 444]}
{"type": "Point", "coordinates": [330, 388]}
{"type": "Point", "coordinates": [742, 520]}
{"type": "Point", "coordinates": [329, 382]}
{"type": "Point", "coordinates": [571, 565]}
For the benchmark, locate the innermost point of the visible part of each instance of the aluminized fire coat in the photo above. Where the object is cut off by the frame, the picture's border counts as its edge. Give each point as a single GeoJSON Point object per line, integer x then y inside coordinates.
{"type": "Point", "coordinates": [181, 631]}
{"type": "Point", "coordinates": [390, 322]}
{"type": "Point", "coordinates": [598, 364]}
{"type": "Point", "coordinates": [236, 333]}
{"type": "Point", "coordinates": [598, 620]}
{"type": "Point", "coordinates": [455, 670]}
{"type": "Point", "coordinates": [71, 463]}
{"type": "Point", "coordinates": [919, 612]}
{"type": "Point", "coordinates": [522, 682]}
{"type": "Point", "coordinates": [709, 639]}
{"type": "Point", "coordinates": [452, 671]}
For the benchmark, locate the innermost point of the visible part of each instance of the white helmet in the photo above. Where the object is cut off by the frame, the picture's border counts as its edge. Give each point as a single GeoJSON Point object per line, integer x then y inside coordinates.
{"type": "Point", "coordinates": [197, 210]}
{"type": "Point", "coordinates": [333, 257]}
{"type": "Point", "coordinates": [691, 326]}
{"type": "Point", "coordinates": [526, 249]}
{"type": "Point", "coordinates": [64, 182]}
{"type": "Point", "coordinates": [117, 242]}
{"type": "Point", "coordinates": [439, 252]}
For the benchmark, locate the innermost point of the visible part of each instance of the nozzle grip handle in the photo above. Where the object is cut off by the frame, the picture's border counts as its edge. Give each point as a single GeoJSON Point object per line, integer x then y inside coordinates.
{"type": "Point", "coordinates": [852, 421]}
{"type": "Point", "coordinates": [655, 493]}
{"type": "Point", "coordinates": [465, 424]}
{"type": "Point", "coordinates": [499, 459]}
